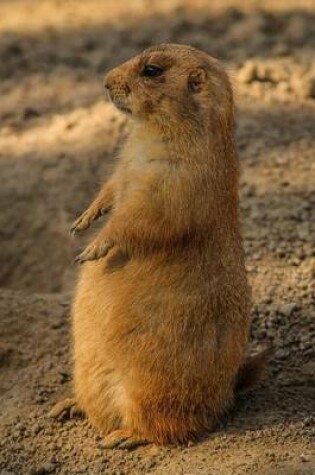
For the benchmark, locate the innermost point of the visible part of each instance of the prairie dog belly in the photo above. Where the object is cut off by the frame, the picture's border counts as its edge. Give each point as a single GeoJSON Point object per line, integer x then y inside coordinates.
{"type": "Point", "coordinates": [147, 318]}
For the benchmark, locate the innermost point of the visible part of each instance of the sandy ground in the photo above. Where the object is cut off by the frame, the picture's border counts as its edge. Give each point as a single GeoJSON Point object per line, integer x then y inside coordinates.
{"type": "Point", "coordinates": [58, 139]}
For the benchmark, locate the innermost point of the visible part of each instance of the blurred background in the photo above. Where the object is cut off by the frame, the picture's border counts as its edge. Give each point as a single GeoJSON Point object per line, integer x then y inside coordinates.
{"type": "Point", "coordinates": [58, 135]}
{"type": "Point", "coordinates": [58, 142]}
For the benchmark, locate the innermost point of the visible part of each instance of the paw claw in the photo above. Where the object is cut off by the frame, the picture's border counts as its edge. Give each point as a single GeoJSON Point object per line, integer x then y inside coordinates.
{"type": "Point", "coordinates": [78, 260]}
{"type": "Point", "coordinates": [132, 443]}
{"type": "Point", "coordinates": [113, 444]}
{"type": "Point", "coordinates": [95, 251]}
{"type": "Point", "coordinates": [67, 407]}
{"type": "Point", "coordinates": [124, 440]}
{"type": "Point", "coordinates": [84, 221]}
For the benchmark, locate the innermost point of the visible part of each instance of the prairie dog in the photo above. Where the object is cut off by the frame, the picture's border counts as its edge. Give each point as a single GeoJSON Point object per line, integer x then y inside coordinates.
{"type": "Point", "coordinates": [161, 313]}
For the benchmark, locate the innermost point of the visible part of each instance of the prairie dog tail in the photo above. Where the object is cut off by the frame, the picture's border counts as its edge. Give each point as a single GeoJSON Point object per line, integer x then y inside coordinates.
{"type": "Point", "coordinates": [254, 368]}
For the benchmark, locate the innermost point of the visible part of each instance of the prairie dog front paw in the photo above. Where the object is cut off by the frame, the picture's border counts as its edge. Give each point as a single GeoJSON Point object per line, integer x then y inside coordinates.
{"type": "Point", "coordinates": [86, 219]}
{"type": "Point", "coordinates": [97, 249]}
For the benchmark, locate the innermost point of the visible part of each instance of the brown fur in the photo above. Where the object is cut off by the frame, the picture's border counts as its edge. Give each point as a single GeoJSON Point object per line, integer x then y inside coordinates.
{"type": "Point", "coordinates": [161, 315]}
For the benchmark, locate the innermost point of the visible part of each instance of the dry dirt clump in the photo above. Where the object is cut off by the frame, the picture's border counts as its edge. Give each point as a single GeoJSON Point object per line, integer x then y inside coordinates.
{"type": "Point", "coordinates": [58, 139]}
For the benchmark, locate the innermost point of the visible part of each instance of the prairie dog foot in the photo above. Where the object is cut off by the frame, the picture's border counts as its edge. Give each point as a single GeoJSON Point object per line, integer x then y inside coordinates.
{"type": "Point", "coordinates": [86, 219]}
{"type": "Point", "coordinates": [67, 407]}
{"type": "Point", "coordinates": [97, 249]}
{"type": "Point", "coordinates": [123, 439]}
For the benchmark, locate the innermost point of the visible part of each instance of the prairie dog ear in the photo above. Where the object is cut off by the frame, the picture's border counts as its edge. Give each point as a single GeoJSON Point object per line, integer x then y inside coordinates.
{"type": "Point", "coordinates": [197, 79]}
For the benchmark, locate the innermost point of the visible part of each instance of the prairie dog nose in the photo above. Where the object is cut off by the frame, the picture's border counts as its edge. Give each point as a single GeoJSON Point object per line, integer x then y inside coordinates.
{"type": "Point", "coordinates": [111, 78]}
{"type": "Point", "coordinates": [107, 82]}
{"type": "Point", "coordinates": [115, 80]}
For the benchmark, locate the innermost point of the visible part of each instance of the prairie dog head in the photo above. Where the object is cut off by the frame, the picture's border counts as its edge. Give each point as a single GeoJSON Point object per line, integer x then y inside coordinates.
{"type": "Point", "coordinates": [172, 86]}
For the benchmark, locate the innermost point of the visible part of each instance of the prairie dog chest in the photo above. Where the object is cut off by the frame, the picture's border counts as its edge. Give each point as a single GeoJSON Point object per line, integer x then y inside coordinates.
{"type": "Point", "coordinates": [144, 164]}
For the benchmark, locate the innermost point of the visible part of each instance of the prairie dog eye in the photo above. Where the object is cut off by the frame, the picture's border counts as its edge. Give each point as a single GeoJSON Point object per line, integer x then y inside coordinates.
{"type": "Point", "coordinates": [151, 70]}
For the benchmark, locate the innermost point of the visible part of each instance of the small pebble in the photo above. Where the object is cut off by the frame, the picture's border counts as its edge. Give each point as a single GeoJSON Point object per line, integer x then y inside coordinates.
{"type": "Point", "coordinates": [44, 469]}
{"type": "Point", "coordinates": [36, 428]}
{"type": "Point", "coordinates": [287, 309]}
